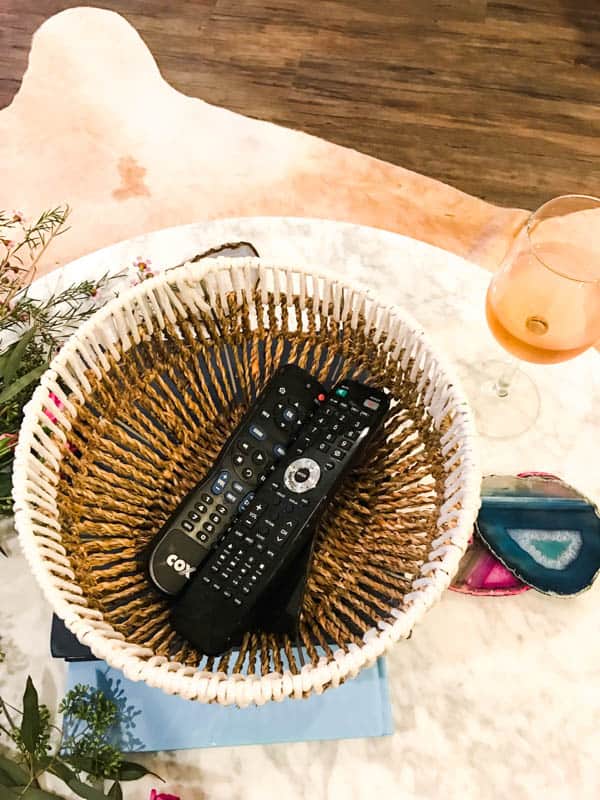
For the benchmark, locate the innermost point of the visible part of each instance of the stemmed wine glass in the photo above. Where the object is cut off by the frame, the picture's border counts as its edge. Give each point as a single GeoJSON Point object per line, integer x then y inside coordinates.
{"type": "Point", "coordinates": [542, 306]}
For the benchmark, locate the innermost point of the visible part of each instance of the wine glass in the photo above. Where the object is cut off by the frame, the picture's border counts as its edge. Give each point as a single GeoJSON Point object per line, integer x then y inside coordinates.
{"type": "Point", "coordinates": [542, 306]}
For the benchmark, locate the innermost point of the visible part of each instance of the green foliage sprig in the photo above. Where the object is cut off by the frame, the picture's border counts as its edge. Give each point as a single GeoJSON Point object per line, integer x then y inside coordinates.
{"type": "Point", "coordinates": [79, 754]}
{"type": "Point", "coordinates": [31, 330]}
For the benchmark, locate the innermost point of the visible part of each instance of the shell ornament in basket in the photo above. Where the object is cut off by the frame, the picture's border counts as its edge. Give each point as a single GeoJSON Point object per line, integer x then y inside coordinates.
{"type": "Point", "coordinates": [141, 399]}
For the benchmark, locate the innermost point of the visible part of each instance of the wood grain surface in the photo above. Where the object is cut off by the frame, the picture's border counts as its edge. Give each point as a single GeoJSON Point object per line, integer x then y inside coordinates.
{"type": "Point", "coordinates": [500, 99]}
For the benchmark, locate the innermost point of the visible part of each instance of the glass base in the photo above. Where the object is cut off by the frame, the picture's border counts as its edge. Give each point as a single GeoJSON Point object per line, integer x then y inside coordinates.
{"type": "Point", "coordinates": [503, 417]}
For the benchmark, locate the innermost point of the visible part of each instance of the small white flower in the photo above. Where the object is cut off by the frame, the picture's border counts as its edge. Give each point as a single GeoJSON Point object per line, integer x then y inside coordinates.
{"type": "Point", "coordinates": [142, 264]}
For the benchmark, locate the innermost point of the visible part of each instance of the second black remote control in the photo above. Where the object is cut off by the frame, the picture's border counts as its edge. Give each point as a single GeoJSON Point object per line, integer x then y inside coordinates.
{"type": "Point", "coordinates": [224, 597]}
{"type": "Point", "coordinates": [261, 439]}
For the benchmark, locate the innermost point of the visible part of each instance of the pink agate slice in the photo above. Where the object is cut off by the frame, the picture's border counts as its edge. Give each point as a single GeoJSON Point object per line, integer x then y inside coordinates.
{"type": "Point", "coordinates": [481, 573]}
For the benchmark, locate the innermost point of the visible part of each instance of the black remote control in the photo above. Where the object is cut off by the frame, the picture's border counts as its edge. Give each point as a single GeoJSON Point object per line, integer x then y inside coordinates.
{"type": "Point", "coordinates": [223, 600]}
{"type": "Point", "coordinates": [261, 438]}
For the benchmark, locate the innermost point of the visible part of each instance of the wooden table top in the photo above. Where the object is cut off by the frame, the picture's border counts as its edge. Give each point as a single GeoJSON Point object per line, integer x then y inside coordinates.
{"type": "Point", "coordinates": [499, 99]}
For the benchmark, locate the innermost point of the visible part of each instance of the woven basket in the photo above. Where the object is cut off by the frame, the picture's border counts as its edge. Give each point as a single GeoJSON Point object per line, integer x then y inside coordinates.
{"type": "Point", "coordinates": [132, 413]}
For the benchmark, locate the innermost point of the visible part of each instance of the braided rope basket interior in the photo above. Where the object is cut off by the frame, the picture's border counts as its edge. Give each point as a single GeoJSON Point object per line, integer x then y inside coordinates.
{"type": "Point", "coordinates": [132, 413]}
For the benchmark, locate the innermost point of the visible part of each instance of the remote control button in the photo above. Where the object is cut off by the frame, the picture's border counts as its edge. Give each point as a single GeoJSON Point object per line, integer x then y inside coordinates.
{"type": "Point", "coordinates": [280, 537]}
{"type": "Point", "coordinates": [187, 526]}
{"type": "Point", "coordinates": [321, 397]}
{"type": "Point", "coordinates": [194, 516]}
{"type": "Point", "coordinates": [238, 460]}
{"type": "Point", "coordinates": [281, 390]}
{"type": "Point", "coordinates": [208, 527]}
{"type": "Point", "coordinates": [244, 445]}
{"type": "Point", "coordinates": [222, 509]}
{"type": "Point", "coordinates": [341, 417]}
{"type": "Point", "coordinates": [302, 475]}
{"type": "Point", "coordinates": [372, 403]}
{"type": "Point", "coordinates": [231, 497]}
{"type": "Point", "coordinates": [262, 478]}
{"type": "Point", "coordinates": [342, 391]}
{"type": "Point", "coordinates": [323, 447]}
{"type": "Point", "coordinates": [338, 454]}
{"type": "Point", "coordinates": [200, 507]}
{"type": "Point", "coordinates": [227, 594]}
{"type": "Point", "coordinates": [329, 465]}
{"type": "Point", "coordinates": [202, 536]}
{"type": "Point", "coordinates": [290, 507]}
{"type": "Point", "coordinates": [219, 484]}
{"type": "Point", "coordinates": [246, 502]}
{"type": "Point", "coordinates": [264, 414]}
{"type": "Point", "coordinates": [353, 435]}
{"type": "Point", "coordinates": [357, 423]}
{"type": "Point", "coordinates": [290, 525]}
{"type": "Point", "coordinates": [237, 601]}
{"type": "Point", "coordinates": [258, 457]}
{"type": "Point", "coordinates": [249, 520]}
{"type": "Point", "coordinates": [289, 414]}
{"type": "Point", "coordinates": [206, 498]}
{"type": "Point", "coordinates": [257, 433]}
{"type": "Point", "coordinates": [345, 444]}
{"type": "Point", "coordinates": [278, 450]}
{"type": "Point", "coordinates": [330, 437]}
{"type": "Point", "coordinates": [237, 487]}
{"type": "Point", "coordinates": [321, 420]}
{"type": "Point", "coordinates": [247, 473]}
{"type": "Point", "coordinates": [215, 518]}
{"type": "Point", "coordinates": [305, 501]}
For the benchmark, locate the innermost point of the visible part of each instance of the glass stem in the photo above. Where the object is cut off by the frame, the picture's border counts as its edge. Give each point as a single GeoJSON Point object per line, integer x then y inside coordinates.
{"type": "Point", "coordinates": [505, 378]}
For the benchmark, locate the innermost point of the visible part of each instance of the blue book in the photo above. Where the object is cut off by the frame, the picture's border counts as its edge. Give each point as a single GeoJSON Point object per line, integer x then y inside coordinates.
{"type": "Point", "coordinates": [153, 720]}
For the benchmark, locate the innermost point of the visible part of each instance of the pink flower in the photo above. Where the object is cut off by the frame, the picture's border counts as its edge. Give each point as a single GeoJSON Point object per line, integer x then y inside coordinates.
{"type": "Point", "coordinates": [18, 216]}
{"type": "Point", "coordinates": [57, 402]}
{"type": "Point", "coordinates": [154, 795]}
{"type": "Point", "coordinates": [8, 243]}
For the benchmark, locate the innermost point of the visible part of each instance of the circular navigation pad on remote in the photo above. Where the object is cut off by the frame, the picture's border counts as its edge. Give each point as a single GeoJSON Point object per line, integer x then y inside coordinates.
{"type": "Point", "coordinates": [302, 475]}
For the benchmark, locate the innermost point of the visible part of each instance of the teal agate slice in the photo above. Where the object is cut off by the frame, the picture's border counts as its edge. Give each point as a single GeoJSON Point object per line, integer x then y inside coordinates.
{"type": "Point", "coordinates": [542, 530]}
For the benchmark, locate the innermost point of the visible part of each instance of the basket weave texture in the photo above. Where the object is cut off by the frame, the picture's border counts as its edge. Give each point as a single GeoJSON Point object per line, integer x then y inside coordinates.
{"type": "Point", "coordinates": [133, 412]}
